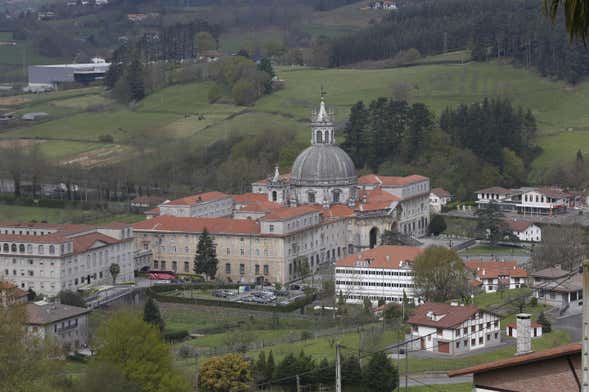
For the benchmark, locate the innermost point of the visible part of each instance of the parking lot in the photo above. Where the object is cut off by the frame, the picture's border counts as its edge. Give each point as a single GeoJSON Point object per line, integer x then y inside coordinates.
{"type": "Point", "coordinates": [267, 295]}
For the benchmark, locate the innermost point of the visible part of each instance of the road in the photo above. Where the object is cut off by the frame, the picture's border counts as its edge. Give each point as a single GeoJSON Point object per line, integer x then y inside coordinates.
{"type": "Point", "coordinates": [432, 378]}
{"type": "Point", "coordinates": [571, 324]}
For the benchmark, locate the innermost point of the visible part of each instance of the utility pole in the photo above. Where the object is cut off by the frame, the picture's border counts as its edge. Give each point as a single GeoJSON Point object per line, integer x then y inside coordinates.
{"type": "Point", "coordinates": [585, 356]}
{"type": "Point", "coordinates": [406, 366]}
{"type": "Point", "coordinates": [298, 383]}
{"type": "Point", "coordinates": [338, 369]}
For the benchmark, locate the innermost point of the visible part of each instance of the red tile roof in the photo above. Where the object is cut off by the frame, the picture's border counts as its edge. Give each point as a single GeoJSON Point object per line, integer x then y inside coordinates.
{"type": "Point", "coordinates": [169, 223]}
{"type": "Point", "coordinates": [378, 256]}
{"type": "Point", "coordinates": [289, 212]}
{"type": "Point", "coordinates": [150, 200]}
{"type": "Point", "coordinates": [376, 199]}
{"type": "Point", "coordinates": [250, 198]}
{"type": "Point", "coordinates": [36, 239]}
{"type": "Point", "coordinates": [196, 199]}
{"type": "Point", "coordinates": [441, 192]}
{"type": "Point", "coordinates": [153, 211]}
{"type": "Point", "coordinates": [18, 293]}
{"type": "Point", "coordinates": [495, 189]}
{"type": "Point", "coordinates": [552, 192]}
{"type": "Point", "coordinates": [518, 225]}
{"type": "Point", "coordinates": [115, 225]}
{"type": "Point", "coordinates": [84, 242]}
{"type": "Point", "coordinates": [494, 269]}
{"type": "Point", "coordinates": [555, 352]}
{"type": "Point", "coordinates": [336, 211]}
{"type": "Point", "coordinates": [453, 315]}
{"type": "Point", "coordinates": [533, 325]}
{"type": "Point", "coordinates": [392, 181]}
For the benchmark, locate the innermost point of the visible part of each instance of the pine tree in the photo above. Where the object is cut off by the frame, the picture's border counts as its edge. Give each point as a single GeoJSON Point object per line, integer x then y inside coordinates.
{"type": "Point", "coordinates": [351, 371]}
{"type": "Point", "coordinates": [354, 133]}
{"type": "Point", "coordinates": [260, 368]}
{"type": "Point", "coordinates": [543, 321]}
{"type": "Point", "coordinates": [380, 375]}
{"type": "Point", "coordinates": [134, 77]}
{"type": "Point", "coordinates": [340, 299]}
{"type": "Point", "coordinates": [270, 366]}
{"type": "Point", "coordinates": [152, 315]}
{"type": "Point", "coordinates": [491, 223]}
{"type": "Point", "coordinates": [265, 65]}
{"type": "Point", "coordinates": [437, 225]}
{"type": "Point", "coordinates": [206, 260]}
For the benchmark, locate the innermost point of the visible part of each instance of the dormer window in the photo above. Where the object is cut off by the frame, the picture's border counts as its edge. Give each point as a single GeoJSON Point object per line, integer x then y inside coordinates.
{"type": "Point", "coordinates": [311, 197]}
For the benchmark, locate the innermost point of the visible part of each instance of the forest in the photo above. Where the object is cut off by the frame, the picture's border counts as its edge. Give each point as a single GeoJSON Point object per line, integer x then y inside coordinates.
{"type": "Point", "coordinates": [490, 29]}
{"type": "Point", "coordinates": [489, 142]}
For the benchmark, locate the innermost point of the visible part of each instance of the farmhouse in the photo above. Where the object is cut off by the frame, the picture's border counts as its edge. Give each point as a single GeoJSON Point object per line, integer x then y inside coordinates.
{"type": "Point", "coordinates": [559, 288]}
{"type": "Point", "coordinates": [525, 231]}
{"type": "Point", "coordinates": [68, 325]}
{"type": "Point", "coordinates": [453, 329]}
{"type": "Point", "coordinates": [383, 273]}
{"type": "Point", "coordinates": [438, 198]}
{"type": "Point", "coordinates": [496, 275]}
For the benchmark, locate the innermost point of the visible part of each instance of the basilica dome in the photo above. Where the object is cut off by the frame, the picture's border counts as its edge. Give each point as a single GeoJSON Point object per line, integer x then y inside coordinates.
{"type": "Point", "coordinates": [323, 165]}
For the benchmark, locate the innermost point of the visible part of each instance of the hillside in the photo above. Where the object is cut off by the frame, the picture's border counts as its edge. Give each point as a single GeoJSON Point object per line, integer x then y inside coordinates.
{"type": "Point", "coordinates": [80, 117]}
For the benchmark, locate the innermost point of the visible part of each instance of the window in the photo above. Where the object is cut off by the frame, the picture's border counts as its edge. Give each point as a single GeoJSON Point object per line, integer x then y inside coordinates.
{"type": "Point", "coordinates": [163, 264]}
{"type": "Point", "coordinates": [186, 266]}
{"type": "Point", "coordinates": [51, 249]}
{"type": "Point", "coordinates": [155, 265]}
{"type": "Point", "coordinates": [271, 228]}
{"type": "Point", "coordinates": [266, 269]}
{"type": "Point", "coordinates": [481, 340]}
{"type": "Point", "coordinates": [458, 332]}
{"type": "Point", "coordinates": [457, 344]}
{"type": "Point", "coordinates": [242, 252]}
{"type": "Point", "coordinates": [473, 328]}
{"type": "Point", "coordinates": [257, 269]}
{"type": "Point", "coordinates": [174, 266]}
{"type": "Point", "coordinates": [21, 248]}
{"type": "Point", "coordinates": [473, 342]}
{"type": "Point", "coordinates": [227, 268]}
{"type": "Point", "coordinates": [311, 197]}
{"type": "Point", "coordinates": [13, 248]}
{"type": "Point", "coordinates": [228, 251]}
{"type": "Point", "coordinates": [242, 269]}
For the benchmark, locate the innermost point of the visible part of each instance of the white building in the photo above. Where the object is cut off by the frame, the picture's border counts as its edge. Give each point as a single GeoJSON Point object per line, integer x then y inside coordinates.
{"type": "Point", "coordinates": [204, 205]}
{"type": "Point", "coordinates": [438, 198]}
{"type": "Point", "coordinates": [525, 231]}
{"type": "Point", "coordinates": [49, 258]}
{"type": "Point", "coordinates": [384, 272]}
{"type": "Point", "coordinates": [558, 288]}
{"type": "Point", "coordinates": [453, 329]}
{"type": "Point", "coordinates": [529, 201]}
{"type": "Point", "coordinates": [535, 330]}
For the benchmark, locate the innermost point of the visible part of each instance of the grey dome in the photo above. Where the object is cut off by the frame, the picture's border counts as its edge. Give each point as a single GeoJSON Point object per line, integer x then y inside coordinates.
{"type": "Point", "coordinates": [323, 165]}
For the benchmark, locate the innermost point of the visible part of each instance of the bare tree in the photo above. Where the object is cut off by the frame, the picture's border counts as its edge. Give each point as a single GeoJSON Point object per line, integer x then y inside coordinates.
{"type": "Point", "coordinates": [564, 245]}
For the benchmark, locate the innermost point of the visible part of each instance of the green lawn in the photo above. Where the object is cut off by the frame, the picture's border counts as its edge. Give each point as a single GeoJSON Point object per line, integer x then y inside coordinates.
{"type": "Point", "coordinates": [460, 226]}
{"type": "Point", "coordinates": [494, 250]}
{"type": "Point", "coordinates": [51, 215]}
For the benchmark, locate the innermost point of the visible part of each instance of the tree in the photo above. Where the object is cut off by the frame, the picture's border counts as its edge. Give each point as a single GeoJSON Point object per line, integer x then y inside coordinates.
{"type": "Point", "coordinates": [265, 65]}
{"type": "Point", "coordinates": [340, 299]}
{"type": "Point", "coordinates": [100, 377]}
{"type": "Point", "coordinates": [206, 260]}
{"type": "Point", "coordinates": [270, 366]}
{"type": "Point", "coordinates": [491, 223]}
{"type": "Point", "coordinates": [114, 270]}
{"type": "Point", "coordinates": [260, 368]}
{"type": "Point", "coordinates": [543, 321]}
{"type": "Point", "coordinates": [151, 314]}
{"type": "Point", "coordinates": [351, 371]}
{"type": "Point", "coordinates": [27, 362]}
{"type": "Point", "coordinates": [437, 225]}
{"type": "Point", "coordinates": [576, 16]}
{"type": "Point", "coordinates": [68, 297]}
{"type": "Point", "coordinates": [205, 41]}
{"type": "Point", "coordinates": [231, 372]}
{"type": "Point", "coordinates": [136, 348]}
{"type": "Point", "coordinates": [380, 375]}
{"type": "Point", "coordinates": [244, 92]}
{"type": "Point", "coordinates": [439, 274]}
{"type": "Point", "coordinates": [564, 245]}
{"type": "Point", "coordinates": [134, 79]}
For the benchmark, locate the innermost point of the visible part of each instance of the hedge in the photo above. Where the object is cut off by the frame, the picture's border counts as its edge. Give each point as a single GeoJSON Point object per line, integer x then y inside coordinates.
{"type": "Point", "coordinates": [175, 335]}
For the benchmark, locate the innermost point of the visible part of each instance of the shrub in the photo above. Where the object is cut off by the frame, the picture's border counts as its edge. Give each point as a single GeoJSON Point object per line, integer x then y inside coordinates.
{"type": "Point", "coordinates": [108, 138]}
{"type": "Point", "coordinates": [306, 335]}
{"type": "Point", "coordinates": [186, 351]}
{"type": "Point", "coordinates": [534, 301]}
{"type": "Point", "coordinates": [175, 336]}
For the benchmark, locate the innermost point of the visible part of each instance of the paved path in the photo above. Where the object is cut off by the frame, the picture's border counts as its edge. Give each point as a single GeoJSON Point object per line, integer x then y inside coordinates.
{"type": "Point", "coordinates": [571, 324]}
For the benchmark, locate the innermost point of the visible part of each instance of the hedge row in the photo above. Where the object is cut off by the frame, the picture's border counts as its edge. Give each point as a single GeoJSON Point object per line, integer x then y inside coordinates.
{"type": "Point", "coordinates": [299, 303]}
{"type": "Point", "coordinates": [50, 203]}
{"type": "Point", "coordinates": [193, 286]}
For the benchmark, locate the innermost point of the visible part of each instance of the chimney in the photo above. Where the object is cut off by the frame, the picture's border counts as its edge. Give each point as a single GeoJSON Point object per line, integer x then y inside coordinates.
{"type": "Point", "coordinates": [388, 257]}
{"type": "Point", "coordinates": [523, 340]}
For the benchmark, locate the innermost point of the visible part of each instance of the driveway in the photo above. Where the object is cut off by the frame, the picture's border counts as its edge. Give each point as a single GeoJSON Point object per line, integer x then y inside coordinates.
{"type": "Point", "coordinates": [571, 324]}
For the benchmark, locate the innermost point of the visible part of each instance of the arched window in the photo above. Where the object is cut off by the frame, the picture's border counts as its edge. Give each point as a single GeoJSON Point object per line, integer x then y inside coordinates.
{"type": "Point", "coordinates": [6, 248]}
{"type": "Point", "coordinates": [274, 196]}
{"type": "Point", "coordinates": [311, 197]}
{"type": "Point", "coordinates": [319, 137]}
{"type": "Point", "coordinates": [29, 248]}
{"type": "Point", "coordinates": [336, 195]}
{"type": "Point", "coordinates": [13, 248]}
{"type": "Point", "coordinates": [51, 249]}
{"type": "Point", "coordinates": [40, 249]}
{"type": "Point", "coordinates": [21, 248]}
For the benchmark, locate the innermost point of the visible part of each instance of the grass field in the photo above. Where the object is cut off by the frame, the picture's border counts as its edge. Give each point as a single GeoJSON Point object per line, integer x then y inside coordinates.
{"type": "Point", "coordinates": [58, 215]}
{"type": "Point", "coordinates": [494, 250]}
{"type": "Point", "coordinates": [560, 110]}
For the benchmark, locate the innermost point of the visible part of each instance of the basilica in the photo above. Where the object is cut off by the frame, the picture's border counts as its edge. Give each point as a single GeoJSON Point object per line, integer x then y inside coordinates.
{"type": "Point", "coordinates": [290, 223]}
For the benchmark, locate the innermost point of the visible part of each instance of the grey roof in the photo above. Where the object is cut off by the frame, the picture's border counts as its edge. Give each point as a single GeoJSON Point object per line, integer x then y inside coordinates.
{"type": "Point", "coordinates": [550, 273]}
{"type": "Point", "coordinates": [574, 283]}
{"type": "Point", "coordinates": [50, 313]}
{"type": "Point", "coordinates": [323, 165]}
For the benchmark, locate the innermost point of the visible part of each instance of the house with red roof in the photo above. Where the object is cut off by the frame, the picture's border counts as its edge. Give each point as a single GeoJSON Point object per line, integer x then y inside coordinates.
{"type": "Point", "coordinates": [495, 275]}
{"type": "Point", "coordinates": [452, 328]}
{"type": "Point", "coordinates": [12, 295]}
{"type": "Point", "coordinates": [382, 273]}
{"type": "Point", "coordinates": [525, 230]}
{"type": "Point", "coordinates": [202, 205]}
{"type": "Point", "coordinates": [438, 198]}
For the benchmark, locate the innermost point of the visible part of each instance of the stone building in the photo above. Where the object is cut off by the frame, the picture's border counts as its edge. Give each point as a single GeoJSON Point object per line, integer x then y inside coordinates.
{"type": "Point", "coordinates": [290, 223]}
{"type": "Point", "coordinates": [49, 258]}
{"type": "Point", "coordinates": [66, 325]}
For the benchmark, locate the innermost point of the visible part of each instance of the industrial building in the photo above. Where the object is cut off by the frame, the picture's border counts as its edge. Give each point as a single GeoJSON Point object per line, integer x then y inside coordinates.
{"type": "Point", "coordinates": [44, 77]}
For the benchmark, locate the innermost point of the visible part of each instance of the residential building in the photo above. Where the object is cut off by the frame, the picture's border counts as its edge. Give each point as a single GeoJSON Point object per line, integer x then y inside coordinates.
{"type": "Point", "coordinates": [496, 275]}
{"type": "Point", "coordinates": [453, 329]}
{"type": "Point", "coordinates": [555, 369]}
{"type": "Point", "coordinates": [438, 198]}
{"type": "Point", "coordinates": [525, 230]}
{"type": "Point", "coordinates": [204, 205]}
{"type": "Point", "coordinates": [68, 325]}
{"type": "Point", "coordinates": [383, 273]}
{"type": "Point", "coordinates": [141, 204]}
{"type": "Point", "coordinates": [49, 258]}
{"type": "Point", "coordinates": [12, 295]}
{"type": "Point", "coordinates": [559, 288]}
{"type": "Point", "coordinates": [383, 5]}
{"type": "Point", "coordinates": [535, 330]}
{"type": "Point", "coordinates": [529, 201]}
